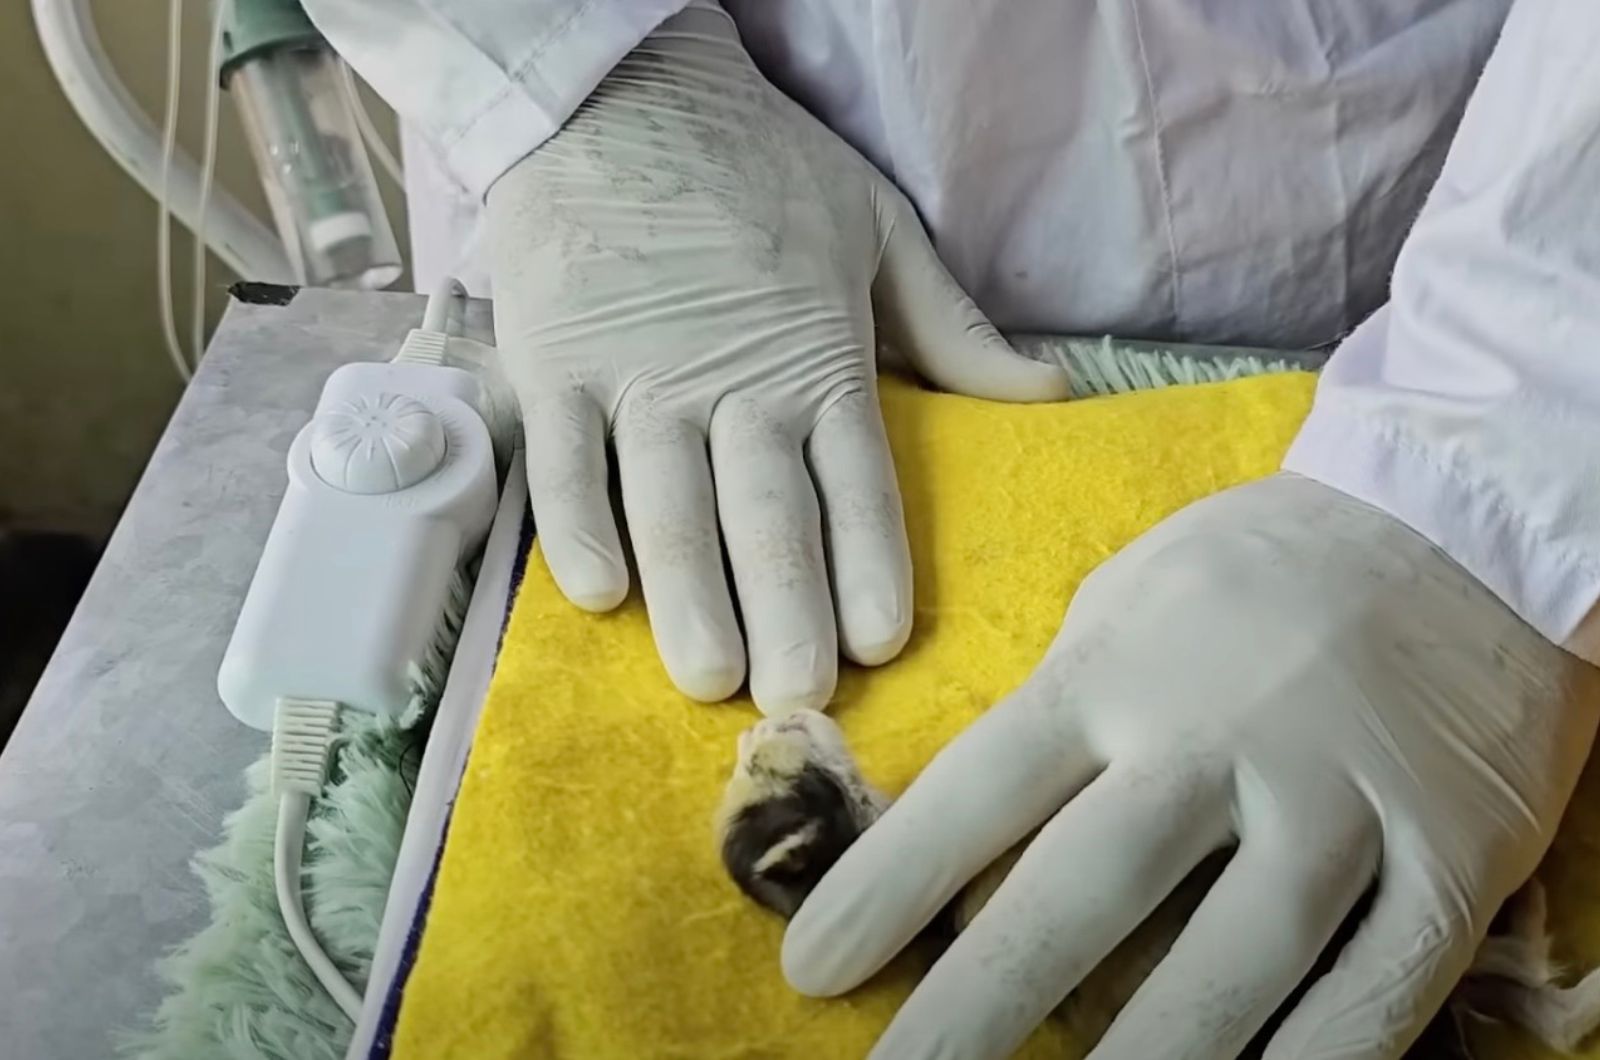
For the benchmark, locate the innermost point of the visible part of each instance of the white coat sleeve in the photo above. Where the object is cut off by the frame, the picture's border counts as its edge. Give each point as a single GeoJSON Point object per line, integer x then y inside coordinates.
{"type": "Point", "coordinates": [1469, 406]}
{"type": "Point", "coordinates": [486, 81]}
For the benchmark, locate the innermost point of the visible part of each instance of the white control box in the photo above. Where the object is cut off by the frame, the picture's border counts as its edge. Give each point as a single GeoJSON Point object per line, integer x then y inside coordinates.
{"type": "Point", "coordinates": [391, 487]}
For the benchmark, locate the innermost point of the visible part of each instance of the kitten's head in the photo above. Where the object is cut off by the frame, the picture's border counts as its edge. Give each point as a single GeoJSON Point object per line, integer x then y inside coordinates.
{"type": "Point", "coordinates": [795, 802]}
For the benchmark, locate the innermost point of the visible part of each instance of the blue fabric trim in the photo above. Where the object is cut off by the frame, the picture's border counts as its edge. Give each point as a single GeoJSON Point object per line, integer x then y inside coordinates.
{"type": "Point", "coordinates": [388, 1020]}
{"type": "Point", "coordinates": [383, 1038]}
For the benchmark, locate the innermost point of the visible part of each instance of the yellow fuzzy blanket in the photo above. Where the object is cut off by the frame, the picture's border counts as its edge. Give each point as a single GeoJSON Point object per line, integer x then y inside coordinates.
{"type": "Point", "coordinates": [581, 910]}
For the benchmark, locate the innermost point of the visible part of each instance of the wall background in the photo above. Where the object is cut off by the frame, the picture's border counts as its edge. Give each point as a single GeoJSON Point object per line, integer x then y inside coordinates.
{"type": "Point", "coordinates": [85, 383]}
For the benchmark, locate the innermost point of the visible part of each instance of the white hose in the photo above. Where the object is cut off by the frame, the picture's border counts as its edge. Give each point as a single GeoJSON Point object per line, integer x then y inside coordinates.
{"type": "Point", "coordinates": [369, 130]}
{"type": "Point", "coordinates": [208, 172]}
{"type": "Point", "coordinates": [89, 81]}
{"type": "Point", "coordinates": [169, 143]}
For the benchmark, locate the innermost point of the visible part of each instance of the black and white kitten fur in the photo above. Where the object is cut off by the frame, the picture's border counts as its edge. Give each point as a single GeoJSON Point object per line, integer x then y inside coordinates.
{"type": "Point", "coordinates": [797, 799]}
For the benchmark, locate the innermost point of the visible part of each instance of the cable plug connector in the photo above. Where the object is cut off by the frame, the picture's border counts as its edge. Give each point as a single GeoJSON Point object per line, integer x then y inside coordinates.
{"type": "Point", "coordinates": [423, 347]}
{"type": "Point", "coordinates": [302, 742]}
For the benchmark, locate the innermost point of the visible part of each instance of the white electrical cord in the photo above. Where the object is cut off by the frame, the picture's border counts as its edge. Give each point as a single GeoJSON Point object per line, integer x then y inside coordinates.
{"type": "Point", "coordinates": [302, 741]}
{"type": "Point", "coordinates": [169, 142]}
{"type": "Point", "coordinates": [208, 171]}
{"type": "Point", "coordinates": [436, 315]}
{"type": "Point", "coordinates": [369, 130]}
{"type": "Point", "coordinates": [427, 344]}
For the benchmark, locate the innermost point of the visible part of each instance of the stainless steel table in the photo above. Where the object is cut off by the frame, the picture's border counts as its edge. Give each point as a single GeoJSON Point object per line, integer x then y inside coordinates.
{"type": "Point", "coordinates": [125, 761]}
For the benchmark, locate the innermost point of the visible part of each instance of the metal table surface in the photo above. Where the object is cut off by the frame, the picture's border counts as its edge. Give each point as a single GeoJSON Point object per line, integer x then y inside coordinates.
{"type": "Point", "coordinates": [125, 761]}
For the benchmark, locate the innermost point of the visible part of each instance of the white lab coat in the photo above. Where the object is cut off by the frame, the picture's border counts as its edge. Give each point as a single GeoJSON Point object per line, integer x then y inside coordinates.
{"type": "Point", "coordinates": [1180, 169]}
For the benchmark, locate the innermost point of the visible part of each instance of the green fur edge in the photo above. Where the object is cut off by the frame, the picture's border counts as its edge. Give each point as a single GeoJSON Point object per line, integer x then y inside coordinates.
{"type": "Point", "coordinates": [239, 989]}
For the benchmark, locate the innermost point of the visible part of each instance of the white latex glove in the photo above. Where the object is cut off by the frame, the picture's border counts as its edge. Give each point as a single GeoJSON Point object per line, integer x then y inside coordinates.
{"type": "Point", "coordinates": [1279, 664]}
{"type": "Point", "coordinates": [692, 266]}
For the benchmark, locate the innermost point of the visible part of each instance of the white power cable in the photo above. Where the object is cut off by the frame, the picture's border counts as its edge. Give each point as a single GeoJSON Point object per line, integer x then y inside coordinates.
{"type": "Point", "coordinates": [369, 130]}
{"type": "Point", "coordinates": [436, 315]}
{"type": "Point", "coordinates": [429, 343]}
{"type": "Point", "coordinates": [302, 741]}
{"type": "Point", "coordinates": [208, 170]}
{"type": "Point", "coordinates": [169, 142]}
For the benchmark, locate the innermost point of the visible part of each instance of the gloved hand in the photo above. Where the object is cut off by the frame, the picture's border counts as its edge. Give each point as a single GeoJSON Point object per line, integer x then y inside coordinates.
{"type": "Point", "coordinates": [1278, 663]}
{"type": "Point", "coordinates": [692, 266]}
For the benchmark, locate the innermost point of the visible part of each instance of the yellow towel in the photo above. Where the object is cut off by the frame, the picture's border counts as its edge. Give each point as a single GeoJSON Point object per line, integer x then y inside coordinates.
{"type": "Point", "coordinates": [581, 910]}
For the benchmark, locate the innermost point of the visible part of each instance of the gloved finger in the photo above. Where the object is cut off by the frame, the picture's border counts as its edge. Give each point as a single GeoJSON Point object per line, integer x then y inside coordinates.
{"type": "Point", "coordinates": [1092, 875]}
{"type": "Point", "coordinates": [1013, 768]}
{"type": "Point", "coordinates": [1257, 933]}
{"type": "Point", "coordinates": [672, 520]}
{"type": "Point", "coordinates": [862, 522]}
{"type": "Point", "coordinates": [1391, 978]}
{"type": "Point", "coordinates": [567, 489]}
{"type": "Point", "coordinates": [773, 531]}
{"type": "Point", "coordinates": [939, 329]}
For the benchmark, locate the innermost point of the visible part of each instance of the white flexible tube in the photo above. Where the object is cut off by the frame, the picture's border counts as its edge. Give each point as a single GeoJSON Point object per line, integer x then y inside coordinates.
{"type": "Point", "coordinates": [66, 32]}
{"type": "Point", "coordinates": [169, 142]}
{"type": "Point", "coordinates": [376, 147]}
{"type": "Point", "coordinates": [208, 172]}
{"type": "Point", "coordinates": [293, 809]}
